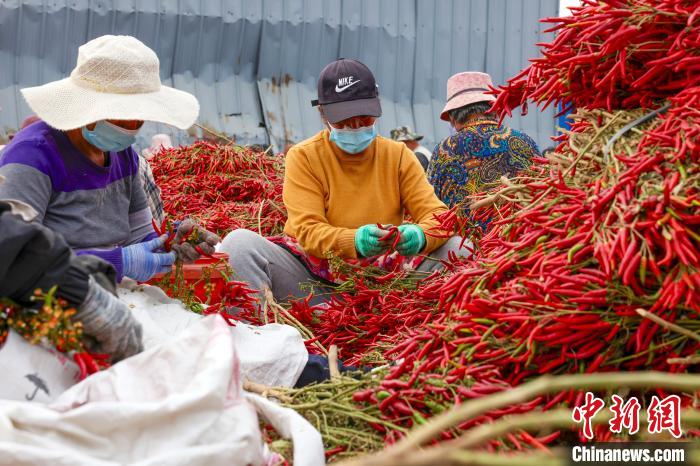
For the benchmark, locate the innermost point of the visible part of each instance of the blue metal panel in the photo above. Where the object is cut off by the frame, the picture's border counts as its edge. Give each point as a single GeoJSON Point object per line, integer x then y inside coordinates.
{"type": "Point", "coordinates": [299, 38]}
{"type": "Point", "coordinates": [253, 65]}
{"type": "Point", "coordinates": [382, 35]}
{"type": "Point", "coordinates": [452, 37]}
{"type": "Point", "coordinates": [205, 47]}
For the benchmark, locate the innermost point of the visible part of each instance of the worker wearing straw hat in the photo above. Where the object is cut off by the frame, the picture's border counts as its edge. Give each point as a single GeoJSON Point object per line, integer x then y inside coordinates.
{"type": "Point", "coordinates": [76, 167]}
{"type": "Point", "coordinates": [481, 150]}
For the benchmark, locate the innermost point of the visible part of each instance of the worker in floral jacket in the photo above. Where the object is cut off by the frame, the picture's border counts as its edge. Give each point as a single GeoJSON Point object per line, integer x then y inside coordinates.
{"type": "Point", "coordinates": [481, 150]}
{"type": "Point", "coordinates": [343, 189]}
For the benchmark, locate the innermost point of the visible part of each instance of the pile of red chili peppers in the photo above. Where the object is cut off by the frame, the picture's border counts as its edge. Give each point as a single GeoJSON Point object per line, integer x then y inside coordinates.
{"type": "Point", "coordinates": [223, 187]}
{"type": "Point", "coordinates": [236, 296]}
{"type": "Point", "coordinates": [566, 262]}
{"type": "Point", "coordinates": [582, 242]}
{"type": "Point", "coordinates": [613, 54]}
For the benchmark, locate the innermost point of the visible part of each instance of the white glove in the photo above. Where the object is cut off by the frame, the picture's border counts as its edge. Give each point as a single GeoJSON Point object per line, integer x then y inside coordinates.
{"type": "Point", "coordinates": [109, 322]}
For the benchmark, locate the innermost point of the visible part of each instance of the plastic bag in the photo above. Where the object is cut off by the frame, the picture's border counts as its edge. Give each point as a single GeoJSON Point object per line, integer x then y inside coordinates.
{"type": "Point", "coordinates": [178, 403]}
{"type": "Point", "coordinates": [33, 373]}
{"type": "Point", "coordinates": [272, 355]}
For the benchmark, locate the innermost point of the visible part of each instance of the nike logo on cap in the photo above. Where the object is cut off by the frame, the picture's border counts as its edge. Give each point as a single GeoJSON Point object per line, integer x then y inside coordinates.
{"type": "Point", "coordinates": [339, 88]}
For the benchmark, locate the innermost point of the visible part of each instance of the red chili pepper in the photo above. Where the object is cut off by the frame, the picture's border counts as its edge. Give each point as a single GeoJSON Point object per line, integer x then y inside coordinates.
{"type": "Point", "coordinates": [201, 252]}
{"type": "Point", "coordinates": [83, 371]}
{"type": "Point", "coordinates": [335, 451]}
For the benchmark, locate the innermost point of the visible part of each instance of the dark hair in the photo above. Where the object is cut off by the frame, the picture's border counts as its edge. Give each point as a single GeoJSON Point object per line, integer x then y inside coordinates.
{"type": "Point", "coordinates": [462, 114]}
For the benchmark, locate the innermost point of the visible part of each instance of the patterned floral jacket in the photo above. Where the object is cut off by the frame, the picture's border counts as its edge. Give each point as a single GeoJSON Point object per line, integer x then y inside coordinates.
{"type": "Point", "coordinates": [478, 154]}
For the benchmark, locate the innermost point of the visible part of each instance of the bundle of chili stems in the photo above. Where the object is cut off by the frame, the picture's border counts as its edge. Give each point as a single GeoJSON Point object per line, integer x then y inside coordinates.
{"type": "Point", "coordinates": [51, 323]}
{"type": "Point", "coordinates": [591, 263]}
{"type": "Point", "coordinates": [224, 187]}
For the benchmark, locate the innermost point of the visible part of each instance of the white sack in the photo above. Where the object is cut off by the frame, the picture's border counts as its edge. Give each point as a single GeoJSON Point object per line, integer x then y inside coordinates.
{"type": "Point", "coordinates": [33, 373]}
{"type": "Point", "coordinates": [272, 355]}
{"type": "Point", "coordinates": [180, 403]}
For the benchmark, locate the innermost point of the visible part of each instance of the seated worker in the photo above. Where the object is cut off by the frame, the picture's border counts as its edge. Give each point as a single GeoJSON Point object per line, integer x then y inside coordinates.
{"type": "Point", "coordinates": [34, 257]}
{"type": "Point", "coordinates": [481, 151]}
{"type": "Point", "coordinates": [338, 185]}
{"type": "Point", "coordinates": [76, 166]}
{"type": "Point", "coordinates": [411, 139]}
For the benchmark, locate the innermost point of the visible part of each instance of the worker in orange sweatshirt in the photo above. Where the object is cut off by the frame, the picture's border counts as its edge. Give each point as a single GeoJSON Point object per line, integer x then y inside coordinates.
{"type": "Point", "coordinates": [338, 186]}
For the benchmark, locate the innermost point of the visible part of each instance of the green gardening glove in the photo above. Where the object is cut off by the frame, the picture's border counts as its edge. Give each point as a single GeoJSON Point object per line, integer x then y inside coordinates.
{"type": "Point", "coordinates": [367, 241]}
{"type": "Point", "coordinates": [412, 240]}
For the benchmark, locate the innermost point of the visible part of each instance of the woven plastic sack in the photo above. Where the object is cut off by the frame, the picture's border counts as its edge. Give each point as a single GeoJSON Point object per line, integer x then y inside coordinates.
{"type": "Point", "coordinates": [178, 403]}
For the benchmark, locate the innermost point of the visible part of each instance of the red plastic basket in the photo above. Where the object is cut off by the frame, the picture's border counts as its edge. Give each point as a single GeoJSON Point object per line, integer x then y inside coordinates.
{"type": "Point", "coordinates": [194, 277]}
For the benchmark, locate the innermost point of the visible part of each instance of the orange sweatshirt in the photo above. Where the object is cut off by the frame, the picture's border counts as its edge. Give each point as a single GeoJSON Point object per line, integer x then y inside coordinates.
{"type": "Point", "coordinates": [329, 193]}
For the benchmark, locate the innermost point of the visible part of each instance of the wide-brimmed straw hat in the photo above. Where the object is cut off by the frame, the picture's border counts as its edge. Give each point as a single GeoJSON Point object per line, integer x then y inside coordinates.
{"type": "Point", "coordinates": [466, 88]}
{"type": "Point", "coordinates": [115, 78]}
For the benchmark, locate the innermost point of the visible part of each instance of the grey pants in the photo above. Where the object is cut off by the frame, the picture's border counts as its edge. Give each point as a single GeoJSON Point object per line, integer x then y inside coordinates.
{"type": "Point", "coordinates": [263, 264]}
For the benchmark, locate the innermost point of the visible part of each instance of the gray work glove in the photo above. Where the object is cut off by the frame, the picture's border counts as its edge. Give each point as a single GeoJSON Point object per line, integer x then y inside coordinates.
{"type": "Point", "coordinates": [109, 322]}
{"type": "Point", "coordinates": [206, 240]}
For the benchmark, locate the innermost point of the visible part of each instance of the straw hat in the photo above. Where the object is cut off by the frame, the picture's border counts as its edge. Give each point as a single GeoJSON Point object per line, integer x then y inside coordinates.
{"type": "Point", "coordinates": [116, 78]}
{"type": "Point", "coordinates": [464, 89]}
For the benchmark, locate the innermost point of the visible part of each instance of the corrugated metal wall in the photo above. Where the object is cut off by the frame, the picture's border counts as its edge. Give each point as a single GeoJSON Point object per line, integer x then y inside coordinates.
{"type": "Point", "coordinates": [253, 64]}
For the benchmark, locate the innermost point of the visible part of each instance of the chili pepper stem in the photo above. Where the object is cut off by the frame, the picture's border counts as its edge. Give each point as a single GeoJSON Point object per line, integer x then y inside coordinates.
{"type": "Point", "coordinates": [333, 362]}
{"type": "Point", "coordinates": [265, 391]}
{"type": "Point", "coordinates": [543, 385]}
{"type": "Point", "coordinates": [556, 419]}
{"type": "Point", "coordinates": [664, 323]}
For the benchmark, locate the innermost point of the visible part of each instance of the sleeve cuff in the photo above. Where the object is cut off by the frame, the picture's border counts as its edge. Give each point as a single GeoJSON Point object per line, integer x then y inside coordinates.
{"type": "Point", "coordinates": [432, 243]}
{"type": "Point", "coordinates": [148, 237]}
{"type": "Point", "coordinates": [113, 256]}
{"type": "Point", "coordinates": [346, 244]}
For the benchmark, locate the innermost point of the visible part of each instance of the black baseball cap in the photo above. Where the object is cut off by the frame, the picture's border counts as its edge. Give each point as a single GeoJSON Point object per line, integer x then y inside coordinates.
{"type": "Point", "coordinates": [346, 89]}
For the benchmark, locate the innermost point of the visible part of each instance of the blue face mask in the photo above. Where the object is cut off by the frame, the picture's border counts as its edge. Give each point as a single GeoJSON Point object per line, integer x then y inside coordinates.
{"type": "Point", "coordinates": [353, 141]}
{"type": "Point", "coordinates": [109, 137]}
